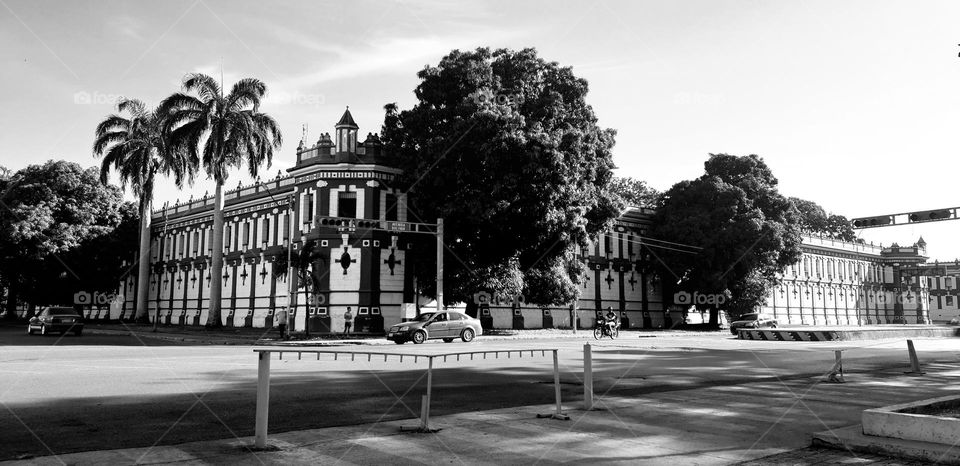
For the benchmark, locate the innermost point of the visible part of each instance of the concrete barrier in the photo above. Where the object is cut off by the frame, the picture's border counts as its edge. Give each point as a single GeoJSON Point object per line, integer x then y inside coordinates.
{"type": "Point", "coordinates": [840, 334]}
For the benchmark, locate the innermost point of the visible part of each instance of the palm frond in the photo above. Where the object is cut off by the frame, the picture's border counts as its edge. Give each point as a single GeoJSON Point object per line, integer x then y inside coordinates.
{"type": "Point", "coordinates": [205, 86]}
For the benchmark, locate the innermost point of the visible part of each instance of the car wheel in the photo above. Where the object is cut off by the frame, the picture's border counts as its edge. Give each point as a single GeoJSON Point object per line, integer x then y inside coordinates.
{"type": "Point", "coordinates": [616, 333]}
{"type": "Point", "coordinates": [419, 337]}
{"type": "Point", "coordinates": [448, 340]}
{"type": "Point", "coordinates": [29, 330]}
{"type": "Point", "coordinates": [597, 333]}
{"type": "Point", "coordinates": [467, 335]}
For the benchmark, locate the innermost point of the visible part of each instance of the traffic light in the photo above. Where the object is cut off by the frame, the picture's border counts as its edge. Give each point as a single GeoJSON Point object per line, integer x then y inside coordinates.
{"type": "Point", "coordinates": [341, 222]}
{"type": "Point", "coordinates": [872, 221]}
{"type": "Point", "coordinates": [929, 215]}
{"type": "Point", "coordinates": [373, 224]}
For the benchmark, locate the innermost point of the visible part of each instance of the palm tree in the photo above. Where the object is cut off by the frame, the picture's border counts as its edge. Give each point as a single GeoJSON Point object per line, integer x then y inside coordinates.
{"type": "Point", "coordinates": [135, 146]}
{"type": "Point", "coordinates": [233, 132]}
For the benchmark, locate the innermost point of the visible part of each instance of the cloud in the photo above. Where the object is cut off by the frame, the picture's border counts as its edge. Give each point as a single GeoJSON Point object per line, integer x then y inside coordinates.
{"type": "Point", "coordinates": [389, 55]}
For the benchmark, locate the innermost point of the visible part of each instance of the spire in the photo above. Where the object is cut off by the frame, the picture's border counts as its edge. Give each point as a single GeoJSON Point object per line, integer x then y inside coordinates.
{"type": "Point", "coordinates": [347, 120]}
{"type": "Point", "coordinates": [922, 243]}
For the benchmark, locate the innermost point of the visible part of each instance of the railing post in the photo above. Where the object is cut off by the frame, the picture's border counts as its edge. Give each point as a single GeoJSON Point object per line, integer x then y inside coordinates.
{"type": "Point", "coordinates": [587, 377]}
{"type": "Point", "coordinates": [425, 422]}
{"type": "Point", "coordinates": [556, 381]}
{"type": "Point", "coordinates": [263, 399]}
{"type": "Point", "coordinates": [914, 361]}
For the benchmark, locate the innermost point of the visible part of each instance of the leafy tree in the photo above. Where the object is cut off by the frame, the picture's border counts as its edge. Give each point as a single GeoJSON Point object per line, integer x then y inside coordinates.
{"type": "Point", "coordinates": [51, 209]}
{"type": "Point", "coordinates": [232, 132]}
{"type": "Point", "coordinates": [816, 221]}
{"type": "Point", "coordinates": [634, 192]}
{"type": "Point", "coordinates": [748, 231]}
{"type": "Point", "coordinates": [96, 265]}
{"type": "Point", "coordinates": [135, 145]}
{"type": "Point", "coordinates": [504, 147]}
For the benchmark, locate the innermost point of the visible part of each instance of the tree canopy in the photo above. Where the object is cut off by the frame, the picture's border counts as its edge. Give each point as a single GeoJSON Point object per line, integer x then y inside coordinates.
{"type": "Point", "coordinates": [748, 231]}
{"type": "Point", "coordinates": [815, 220]}
{"type": "Point", "coordinates": [634, 192]}
{"type": "Point", "coordinates": [503, 145]}
{"type": "Point", "coordinates": [50, 211]}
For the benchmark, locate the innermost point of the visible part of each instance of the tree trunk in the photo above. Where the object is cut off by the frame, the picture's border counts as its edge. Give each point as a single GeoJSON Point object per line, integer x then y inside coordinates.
{"type": "Point", "coordinates": [472, 309]}
{"type": "Point", "coordinates": [143, 271]}
{"type": "Point", "coordinates": [216, 261]}
{"type": "Point", "coordinates": [12, 286]}
{"type": "Point", "coordinates": [714, 317]}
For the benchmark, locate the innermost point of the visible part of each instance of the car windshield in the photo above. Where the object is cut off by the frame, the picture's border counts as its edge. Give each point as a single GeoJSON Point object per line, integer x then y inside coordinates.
{"type": "Point", "coordinates": [750, 317]}
{"type": "Point", "coordinates": [425, 316]}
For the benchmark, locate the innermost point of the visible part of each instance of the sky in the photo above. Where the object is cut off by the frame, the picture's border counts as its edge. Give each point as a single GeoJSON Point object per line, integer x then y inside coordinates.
{"type": "Point", "coordinates": [854, 105]}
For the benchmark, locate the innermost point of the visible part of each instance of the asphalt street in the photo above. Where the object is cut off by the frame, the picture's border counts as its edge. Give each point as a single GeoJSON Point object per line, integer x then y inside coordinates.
{"type": "Point", "coordinates": [96, 392]}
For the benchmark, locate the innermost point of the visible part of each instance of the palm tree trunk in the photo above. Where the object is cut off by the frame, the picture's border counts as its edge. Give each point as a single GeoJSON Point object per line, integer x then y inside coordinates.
{"type": "Point", "coordinates": [216, 261]}
{"type": "Point", "coordinates": [143, 272]}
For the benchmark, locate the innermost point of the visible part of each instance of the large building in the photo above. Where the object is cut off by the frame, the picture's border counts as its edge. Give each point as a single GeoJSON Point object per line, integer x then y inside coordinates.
{"type": "Point", "coordinates": [366, 269]}
{"type": "Point", "coordinates": [841, 283]}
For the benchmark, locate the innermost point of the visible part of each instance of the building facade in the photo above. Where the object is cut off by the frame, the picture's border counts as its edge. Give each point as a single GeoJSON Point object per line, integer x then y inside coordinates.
{"type": "Point", "coordinates": [359, 262]}
{"type": "Point", "coordinates": [842, 283]}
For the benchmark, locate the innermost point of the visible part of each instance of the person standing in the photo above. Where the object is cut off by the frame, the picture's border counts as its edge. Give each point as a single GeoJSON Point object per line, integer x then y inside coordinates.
{"type": "Point", "coordinates": [280, 319]}
{"type": "Point", "coordinates": [347, 320]}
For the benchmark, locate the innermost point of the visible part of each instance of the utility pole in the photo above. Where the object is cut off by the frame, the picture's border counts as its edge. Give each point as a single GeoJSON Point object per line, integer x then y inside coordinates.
{"type": "Point", "coordinates": [290, 270]}
{"type": "Point", "coordinates": [439, 264]}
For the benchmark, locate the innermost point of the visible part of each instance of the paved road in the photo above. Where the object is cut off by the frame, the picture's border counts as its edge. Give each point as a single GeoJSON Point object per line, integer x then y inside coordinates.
{"type": "Point", "coordinates": [88, 393]}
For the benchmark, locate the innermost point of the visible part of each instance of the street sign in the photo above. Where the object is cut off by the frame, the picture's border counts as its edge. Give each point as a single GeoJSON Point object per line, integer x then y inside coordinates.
{"type": "Point", "coordinates": [398, 226]}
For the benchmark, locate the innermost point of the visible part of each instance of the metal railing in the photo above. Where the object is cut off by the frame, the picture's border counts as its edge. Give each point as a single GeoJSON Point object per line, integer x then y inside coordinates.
{"type": "Point", "coordinates": [263, 377]}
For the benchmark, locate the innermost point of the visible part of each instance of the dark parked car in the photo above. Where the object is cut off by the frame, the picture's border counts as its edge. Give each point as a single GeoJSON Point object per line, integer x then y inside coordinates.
{"type": "Point", "coordinates": [56, 319]}
{"type": "Point", "coordinates": [447, 325]}
{"type": "Point", "coordinates": [752, 320]}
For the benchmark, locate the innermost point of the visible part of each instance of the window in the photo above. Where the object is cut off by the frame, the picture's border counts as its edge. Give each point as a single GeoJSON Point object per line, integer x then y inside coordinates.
{"type": "Point", "coordinates": [347, 205]}
{"type": "Point", "coordinates": [322, 311]}
{"type": "Point", "coordinates": [455, 316]}
{"type": "Point", "coordinates": [375, 311]}
{"type": "Point", "coordinates": [196, 242]}
{"type": "Point", "coordinates": [391, 214]}
{"type": "Point", "coordinates": [485, 312]}
{"type": "Point", "coordinates": [949, 300]}
{"type": "Point", "coordinates": [286, 228]}
{"type": "Point", "coordinates": [546, 312]}
{"type": "Point", "coordinates": [307, 214]}
{"type": "Point", "coordinates": [363, 311]}
{"type": "Point", "coordinates": [265, 231]}
{"type": "Point", "coordinates": [226, 238]}
{"type": "Point", "coordinates": [246, 234]}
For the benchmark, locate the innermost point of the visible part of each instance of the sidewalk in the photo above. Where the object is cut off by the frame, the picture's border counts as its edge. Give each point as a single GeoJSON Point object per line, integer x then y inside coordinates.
{"type": "Point", "coordinates": [713, 425]}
